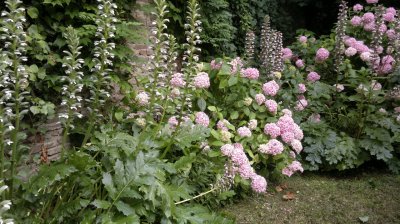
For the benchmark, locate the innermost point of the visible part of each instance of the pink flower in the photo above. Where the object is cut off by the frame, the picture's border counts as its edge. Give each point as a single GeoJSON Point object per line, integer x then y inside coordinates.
{"type": "Point", "coordinates": [142, 99]}
{"type": "Point", "coordinates": [202, 80]}
{"type": "Point", "coordinates": [250, 73]}
{"type": "Point", "coordinates": [272, 106]}
{"type": "Point", "coordinates": [298, 133]}
{"type": "Point", "coordinates": [202, 119]}
{"type": "Point", "coordinates": [302, 88]}
{"type": "Point", "coordinates": [292, 168]}
{"type": "Point", "coordinates": [270, 88]}
{"type": "Point", "coordinates": [356, 21]}
{"type": "Point", "coordinates": [246, 171]}
{"type": "Point", "coordinates": [383, 28]}
{"type": "Point", "coordinates": [285, 123]}
{"type": "Point", "coordinates": [301, 104]}
{"type": "Point", "coordinates": [221, 125]}
{"type": "Point", "coordinates": [173, 122]}
{"type": "Point", "coordinates": [368, 17]}
{"type": "Point", "coordinates": [376, 86]}
{"type": "Point", "coordinates": [299, 63]}
{"type": "Point", "coordinates": [360, 46]}
{"type": "Point", "coordinates": [365, 56]}
{"type": "Point", "coordinates": [239, 157]}
{"type": "Point", "coordinates": [386, 65]}
{"type": "Point", "coordinates": [315, 118]}
{"type": "Point", "coordinates": [252, 124]}
{"type": "Point", "coordinates": [357, 7]}
{"type": "Point", "coordinates": [313, 77]}
{"type": "Point", "coordinates": [397, 110]}
{"type": "Point", "coordinates": [272, 130]}
{"type": "Point", "coordinates": [303, 39]}
{"type": "Point", "coordinates": [350, 41]}
{"type": "Point", "coordinates": [258, 184]}
{"type": "Point", "coordinates": [350, 52]}
{"type": "Point", "coordinates": [391, 10]}
{"type": "Point", "coordinates": [227, 150]}
{"type": "Point", "coordinates": [388, 17]}
{"type": "Point", "coordinates": [369, 26]}
{"type": "Point", "coordinates": [287, 54]}
{"type": "Point", "coordinates": [215, 66]}
{"type": "Point", "coordinates": [273, 147]}
{"type": "Point", "coordinates": [339, 87]}
{"type": "Point", "coordinates": [372, 1]}
{"type": "Point", "coordinates": [260, 98]}
{"type": "Point", "coordinates": [296, 146]}
{"type": "Point", "coordinates": [287, 137]}
{"type": "Point", "coordinates": [244, 132]}
{"type": "Point", "coordinates": [391, 34]}
{"type": "Point", "coordinates": [287, 112]}
{"type": "Point", "coordinates": [177, 80]}
{"type": "Point", "coordinates": [236, 65]}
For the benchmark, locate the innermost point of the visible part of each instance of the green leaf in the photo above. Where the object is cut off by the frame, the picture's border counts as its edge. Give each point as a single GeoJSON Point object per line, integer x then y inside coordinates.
{"type": "Point", "coordinates": [101, 204]}
{"type": "Point", "coordinates": [124, 208]}
{"type": "Point", "coordinates": [234, 115]}
{"type": "Point", "coordinates": [109, 185]}
{"type": "Point", "coordinates": [233, 80]}
{"type": "Point", "coordinates": [35, 110]}
{"type": "Point", "coordinates": [119, 116]}
{"type": "Point", "coordinates": [212, 108]}
{"type": "Point", "coordinates": [202, 104]}
{"type": "Point", "coordinates": [33, 12]}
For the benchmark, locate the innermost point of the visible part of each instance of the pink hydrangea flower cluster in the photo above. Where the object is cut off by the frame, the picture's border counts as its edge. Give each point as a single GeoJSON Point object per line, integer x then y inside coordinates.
{"type": "Point", "coordinates": [258, 184]}
{"type": "Point", "coordinates": [287, 124]}
{"type": "Point", "coordinates": [221, 125]}
{"type": "Point", "coordinates": [350, 51]}
{"type": "Point", "coordinates": [236, 65]}
{"type": "Point", "coordinates": [313, 77]}
{"type": "Point", "coordinates": [272, 106]}
{"type": "Point", "coordinates": [391, 34]}
{"type": "Point", "coordinates": [244, 132]}
{"type": "Point", "coordinates": [375, 85]}
{"type": "Point", "coordinates": [252, 124]}
{"type": "Point", "coordinates": [356, 21]}
{"type": "Point", "coordinates": [273, 147]}
{"type": "Point", "coordinates": [202, 119]}
{"type": "Point", "coordinates": [272, 130]}
{"type": "Point", "coordinates": [301, 104]}
{"type": "Point", "coordinates": [260, 98]}
{"type": "Point", "coordinates": [385, 65]}
{"type": "Point", "coordinates": [372, 1]}
{"type": "Point", "coordinates": [315, 118]}
{"type": "Point", "coordinates": [173, 122]}
{"type": "Point", "coordinates": [201, 80]}
{"type": "Point", "coordinates": [299, 63]}
{"type": "Point", "coordinates": [302, 88]}
{"type": "Point", "coordinates": [250, 73]}
{"type": "Point", "coordinates": [177, 80]}
{"type": "Point", "coordinates": [142, 99]}
{"type": "Point", "coordinates": [215, 65]}
{"type": "Point", "coordinates": [322, 55]}
{"type": "Point", "coordinates": [358, 7]}
{"type": "Point", "coordinates": [292, 168]}
{"type": "Point", "coordinates": [270, 88]}
{"type": "Point", "coordinates": [241, 165]}
{"type": "Point", "coordinates": [287, 54]}
{"type": "Point", "coordinates": [368, 17]}
{"type": "Point", "coordinates": [303, 39]}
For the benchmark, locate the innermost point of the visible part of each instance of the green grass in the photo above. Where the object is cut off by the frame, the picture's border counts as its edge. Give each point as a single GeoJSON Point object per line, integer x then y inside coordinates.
{"type": "Point", "coordinates": [325, 199]}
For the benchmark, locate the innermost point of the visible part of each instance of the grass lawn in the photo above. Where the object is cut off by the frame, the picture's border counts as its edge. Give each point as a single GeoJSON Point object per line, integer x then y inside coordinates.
{"type": "Point", "coordinates": [366, 197]}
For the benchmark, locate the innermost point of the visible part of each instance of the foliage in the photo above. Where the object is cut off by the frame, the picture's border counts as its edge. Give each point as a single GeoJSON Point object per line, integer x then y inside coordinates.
{"type": "Point", "coordinates": [5, 205]}
{"type": "Point", "coordinates": [351, 115]}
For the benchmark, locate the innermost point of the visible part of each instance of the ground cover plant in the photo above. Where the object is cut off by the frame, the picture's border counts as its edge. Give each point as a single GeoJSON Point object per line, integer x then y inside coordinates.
{"type": "Point", "coordinates": [189, 135]}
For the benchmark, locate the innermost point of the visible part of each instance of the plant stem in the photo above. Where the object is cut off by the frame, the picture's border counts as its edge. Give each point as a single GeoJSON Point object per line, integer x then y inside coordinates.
{"type": "Point", "coordinates": [197, 196]}
{"type": "Point", "coordinates": [14, 137]}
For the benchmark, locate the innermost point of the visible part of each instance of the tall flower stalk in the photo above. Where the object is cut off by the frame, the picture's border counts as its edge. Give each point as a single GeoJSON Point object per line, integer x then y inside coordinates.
{"type": "Point", "coordinates": [271, 48]}
{"type": "Point", "coordinates": [103, 56]}
{"type": "Point", "coordinates": [14, 38]}
{"type": "Point", "coordinates": [191, 57]}
{"type": "Point", "coordinates": [340, 35]}
{"type": "Point", "coordinates": [73, 83]}
{"type": "Point", "coordinates": [157, 64]}
{"type": "Point", "coordinates": [5, 95]}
